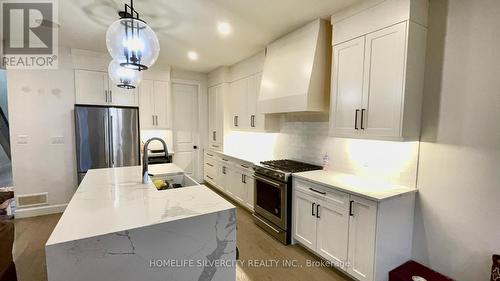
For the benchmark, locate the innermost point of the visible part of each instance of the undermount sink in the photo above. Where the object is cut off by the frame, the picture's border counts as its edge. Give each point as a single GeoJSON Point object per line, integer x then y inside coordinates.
{"type": "Point", "coordinates": [174, 181]}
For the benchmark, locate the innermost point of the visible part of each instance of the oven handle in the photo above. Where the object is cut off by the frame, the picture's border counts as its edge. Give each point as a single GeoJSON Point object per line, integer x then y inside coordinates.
{"type": "Point", "coordinates": [268, 181]}
{"type": "Point", "coordinates": [268, 225]}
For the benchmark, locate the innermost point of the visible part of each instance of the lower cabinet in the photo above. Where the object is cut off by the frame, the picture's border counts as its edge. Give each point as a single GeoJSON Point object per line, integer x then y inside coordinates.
{"type": "Point", "coordinates": [305, 220]}
{"type": "Point", "coordinates": [362, 234]}
{"type": "Point", "coordinates": [332, 239]}
{"type": "Point", "coordinates": [231, 177]}
{"type": "Point", "coordinates": [321, 223]}
{"type": "Point", "coordinates": [359, 236]}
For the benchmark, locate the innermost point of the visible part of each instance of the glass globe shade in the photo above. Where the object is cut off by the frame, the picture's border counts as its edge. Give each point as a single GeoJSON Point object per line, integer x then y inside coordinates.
{"type": "Point", "coordinates": [124, 77]}
{"type": "Point", "coordinates": [133, 43]}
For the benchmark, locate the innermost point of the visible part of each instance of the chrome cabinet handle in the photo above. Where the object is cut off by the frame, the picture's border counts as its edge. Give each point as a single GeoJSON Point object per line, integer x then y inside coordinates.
{"type": "Point", "coordinates": [110, 96]}
{"type": "Point", "coordinates": [209, 164]}
{"type": "Point", "coordinates": [153, 119]}
{"type": "Point", "coordinates": [214, 136]}
{"type": "Point", "coordinates": [106, 95]}
{"type": "Point", "coordinates": [312, 209]}
{"type": "Point", "coordinates": [317, 211]}
{"type": "Point", "coordinates": [351, 214]}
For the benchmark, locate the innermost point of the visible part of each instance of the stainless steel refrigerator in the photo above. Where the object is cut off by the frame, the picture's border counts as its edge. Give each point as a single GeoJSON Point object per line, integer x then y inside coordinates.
{"type": "Point", "coordinates": [106, 137]}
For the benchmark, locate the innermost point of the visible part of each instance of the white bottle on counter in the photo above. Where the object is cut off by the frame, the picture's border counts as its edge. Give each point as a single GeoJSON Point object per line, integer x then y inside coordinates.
{"type": "Point", "coordinates": [326, 162]}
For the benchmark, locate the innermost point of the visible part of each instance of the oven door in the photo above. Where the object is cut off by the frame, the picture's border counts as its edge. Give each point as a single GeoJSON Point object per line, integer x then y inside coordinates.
{"type": "Point", "coordinates": [270, 200]}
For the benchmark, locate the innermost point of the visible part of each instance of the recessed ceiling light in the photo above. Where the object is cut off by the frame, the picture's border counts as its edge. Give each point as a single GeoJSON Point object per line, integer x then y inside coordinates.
{"type": "Point", "coordinates": [192, 55]}
{"type": "Point", "coordinates": [224, 28]}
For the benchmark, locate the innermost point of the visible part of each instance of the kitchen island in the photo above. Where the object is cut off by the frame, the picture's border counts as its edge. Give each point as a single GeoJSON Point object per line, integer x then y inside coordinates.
{"type": "Point", "coordinates": [117, 228]}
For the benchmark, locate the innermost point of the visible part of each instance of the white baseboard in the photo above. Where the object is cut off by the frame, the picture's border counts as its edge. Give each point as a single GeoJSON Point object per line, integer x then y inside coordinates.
{"type": "Point", "coordinates": [39, 211]}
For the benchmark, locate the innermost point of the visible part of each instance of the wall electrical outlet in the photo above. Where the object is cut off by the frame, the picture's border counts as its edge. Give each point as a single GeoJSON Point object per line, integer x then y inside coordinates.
{"type": "Point", "coordinates": [57, 139]}
{"type": "Point", "coordinates": [22, 139]}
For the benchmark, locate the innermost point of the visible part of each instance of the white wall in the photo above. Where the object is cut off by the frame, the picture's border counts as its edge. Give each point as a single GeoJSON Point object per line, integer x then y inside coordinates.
{"type": "Point", "coordinates": [457, 223]}
{"type": "Point", "coordinates": [41, 104]}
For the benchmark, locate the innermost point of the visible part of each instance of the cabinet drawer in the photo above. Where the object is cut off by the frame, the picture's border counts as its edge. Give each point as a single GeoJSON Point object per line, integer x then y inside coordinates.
{"type": "Point", "coordinates": [243, 167]}
{"type": "Point", "coordinates": [210, 166]}
{"type": "Point", "coordinates": [335, 197]}
{"type": "Point", "coordinates": [210, 178]}
{"type": "Point", "coordinates": [209, 154]}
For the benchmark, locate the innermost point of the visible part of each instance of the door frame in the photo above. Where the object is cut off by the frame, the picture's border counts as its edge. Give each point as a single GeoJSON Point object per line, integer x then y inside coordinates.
{"type": "Point", "coordinates": [197, 171]}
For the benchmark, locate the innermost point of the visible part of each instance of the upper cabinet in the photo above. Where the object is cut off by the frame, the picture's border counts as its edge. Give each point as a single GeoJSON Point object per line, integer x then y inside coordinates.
{"type": "Point", "coordinates": [95, 88]}
{"type": "Point", "coordinates": [297, 71]}
{"type": "Point", "coordinates": [243, 108]}
{"type": "Point", "coordinates": [377, 78]}
{"type": "Point", "coordinates": [155, 106]}
{"type": "Point", "coordinates": [216, 115]}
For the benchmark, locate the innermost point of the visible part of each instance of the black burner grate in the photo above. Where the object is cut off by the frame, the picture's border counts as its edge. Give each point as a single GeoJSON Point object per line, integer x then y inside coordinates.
{"type": "Point", "coordinates": [290, 166]}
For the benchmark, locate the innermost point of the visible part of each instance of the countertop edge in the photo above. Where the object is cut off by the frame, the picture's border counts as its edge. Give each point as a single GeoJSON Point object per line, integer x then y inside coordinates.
{"type": "Point", "coordinates": [350, 191]}
{"type": "Point", "coordinates": [47, 244]}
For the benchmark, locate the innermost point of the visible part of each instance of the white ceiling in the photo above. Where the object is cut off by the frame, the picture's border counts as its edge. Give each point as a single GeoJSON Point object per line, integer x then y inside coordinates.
{"type": "Point", "coordinates": [184, 25]}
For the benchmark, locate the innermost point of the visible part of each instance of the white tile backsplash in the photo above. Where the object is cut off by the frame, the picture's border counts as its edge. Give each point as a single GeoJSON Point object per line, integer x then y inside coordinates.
{"type": "Point", "coordinates": [305, 138]}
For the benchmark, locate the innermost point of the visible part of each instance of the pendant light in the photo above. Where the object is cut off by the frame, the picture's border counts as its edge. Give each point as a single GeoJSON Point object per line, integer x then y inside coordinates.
{"type": "Point", "coordinates": [123, 77]}
{"type": "Point", "coordinates": [131, 42]}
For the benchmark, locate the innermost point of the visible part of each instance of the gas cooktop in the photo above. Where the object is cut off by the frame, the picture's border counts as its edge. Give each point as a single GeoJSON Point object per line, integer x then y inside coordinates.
{"type": "Point", "coordinates": [290, 166]}
{"type": "Point", "coordinates": [282, 169]}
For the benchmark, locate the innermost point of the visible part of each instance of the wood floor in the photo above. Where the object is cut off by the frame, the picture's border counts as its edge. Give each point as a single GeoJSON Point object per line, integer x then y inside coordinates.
{"type": "Point", "coordinates": [253, 244]}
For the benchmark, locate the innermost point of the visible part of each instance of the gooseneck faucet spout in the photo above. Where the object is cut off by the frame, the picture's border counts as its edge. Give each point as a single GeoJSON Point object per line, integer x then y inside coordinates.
{"type": "Point", "coordinates": [145, 175]}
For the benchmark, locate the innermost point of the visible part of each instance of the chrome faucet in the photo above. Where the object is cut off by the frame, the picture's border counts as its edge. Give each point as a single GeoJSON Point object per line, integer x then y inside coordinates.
{"type": "Point", "coordinates": [145, 175]}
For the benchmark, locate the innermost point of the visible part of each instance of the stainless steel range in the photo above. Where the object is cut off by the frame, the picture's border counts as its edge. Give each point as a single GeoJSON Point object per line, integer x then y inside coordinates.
{"type": "Point", "coordinates": [273, 196]}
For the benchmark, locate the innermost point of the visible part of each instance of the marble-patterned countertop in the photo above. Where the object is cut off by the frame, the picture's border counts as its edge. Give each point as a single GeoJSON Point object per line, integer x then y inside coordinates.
{"type": "Point", "coordinates": [115, 199]}
{"type": "Point", "coordinates": [376, 190]}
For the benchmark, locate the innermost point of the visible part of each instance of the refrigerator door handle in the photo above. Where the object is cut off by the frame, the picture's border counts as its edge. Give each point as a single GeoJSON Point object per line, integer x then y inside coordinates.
{"type": "Point", "coordinates": [111, 140]}
{"type": "Point", "coordinates": [106, 148]}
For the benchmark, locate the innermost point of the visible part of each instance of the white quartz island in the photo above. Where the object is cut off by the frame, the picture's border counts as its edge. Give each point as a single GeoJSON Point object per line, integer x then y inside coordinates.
{"type": "Point", "coordinates": [116, 228]}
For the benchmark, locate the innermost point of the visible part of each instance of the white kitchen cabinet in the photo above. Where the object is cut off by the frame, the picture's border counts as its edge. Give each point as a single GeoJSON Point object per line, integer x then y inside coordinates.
{"type": "Point", "coordinates": [250, 188]}
{"type": "Point", "coordinates": [377, 84]}
{"type": "Point", "coordinates": [243, 185]}
{"type": "Point", "coordinates": [239, 187]}
{"type": "Point", "coordinates": [362, 232]}
{"type": "Point", "coordinates": [381, 110]}
{"type": "Point", "coordinates": [91, 87]}
{"type": "Point", "coordinates": [216, 116]}
{"type": "Point", "coordinates": [225, 176]}
{"type": "Point", "coordinates": [122, 97]}
{"type": "Point", "coordinates": [332, 238]}
{"type": "Point", "coordinates": [347, 84]}
{"type": "Point", "coordinates": [243, 108]}
{"type": "Point", "coordinates": [305, 219]}
{"type": "Point", "coordinates": [155, 107]}
{"type": "Point", "coordinates": [237, 105]}
{"type": "Point", "coordinates": [233, 177]}
{"type": "Point", "coordinates": [95, 88]}
{"type": "Point", "coordinates": [364, 238]}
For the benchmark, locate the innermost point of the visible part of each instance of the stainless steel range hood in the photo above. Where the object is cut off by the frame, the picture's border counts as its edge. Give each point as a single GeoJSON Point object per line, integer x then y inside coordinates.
{"type": "Point", "coordinates": [296, 76]}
